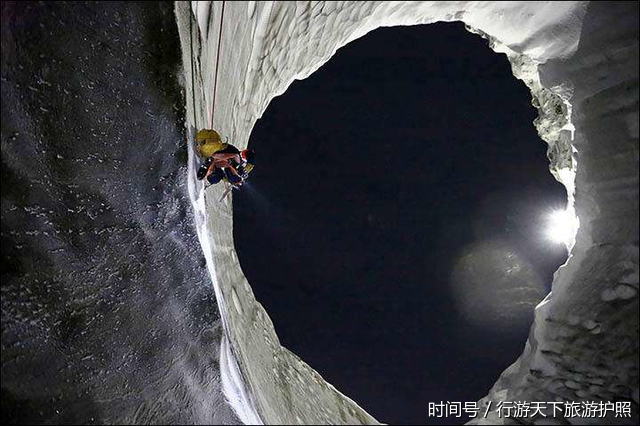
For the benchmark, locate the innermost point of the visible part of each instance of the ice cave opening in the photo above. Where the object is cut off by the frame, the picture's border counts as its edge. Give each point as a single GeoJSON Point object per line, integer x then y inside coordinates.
{"type": "Point", "coordinates": [412, 160]}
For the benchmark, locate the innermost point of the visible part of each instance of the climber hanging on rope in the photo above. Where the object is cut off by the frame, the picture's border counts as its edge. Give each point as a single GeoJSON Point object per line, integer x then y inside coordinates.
{"type": "Point", "coordinates": [223, 161]}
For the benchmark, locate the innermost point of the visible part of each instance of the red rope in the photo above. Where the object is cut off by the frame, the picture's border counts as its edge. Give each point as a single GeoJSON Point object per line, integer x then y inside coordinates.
{"type": "Point", "coordinates": [215, 82]}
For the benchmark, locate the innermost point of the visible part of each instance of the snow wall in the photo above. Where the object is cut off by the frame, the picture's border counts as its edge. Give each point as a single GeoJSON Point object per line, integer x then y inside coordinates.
{"type": "Point", "coordinates": [580, 61]}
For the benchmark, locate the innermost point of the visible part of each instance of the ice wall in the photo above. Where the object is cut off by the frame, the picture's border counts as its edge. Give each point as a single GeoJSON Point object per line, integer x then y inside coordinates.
{"type": "Point", "coordinates": [580, 61]}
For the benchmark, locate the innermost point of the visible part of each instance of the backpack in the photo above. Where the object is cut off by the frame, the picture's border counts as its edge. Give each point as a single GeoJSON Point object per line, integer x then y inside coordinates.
{"type": "Point", "coordinates": [208, 142]}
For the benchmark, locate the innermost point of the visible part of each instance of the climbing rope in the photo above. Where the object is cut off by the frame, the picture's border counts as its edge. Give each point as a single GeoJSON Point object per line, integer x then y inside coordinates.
{"type": "Point", "coordinates": [215, 81]}
{"type": "Point", "coordinates": [215, 78]}
{"type": "Point", "coordinates": [193, 81]}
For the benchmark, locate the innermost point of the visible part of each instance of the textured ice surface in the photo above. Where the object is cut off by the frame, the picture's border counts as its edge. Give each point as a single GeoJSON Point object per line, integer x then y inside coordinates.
{"type": "Point", "coordinates": [108, 315]}
{"type": "Point", "coordinates": [580, 61]}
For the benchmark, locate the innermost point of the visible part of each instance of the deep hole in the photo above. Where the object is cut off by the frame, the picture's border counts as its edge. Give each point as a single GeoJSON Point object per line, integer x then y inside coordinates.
{"type": "Point", "coordinates": [403, 172]}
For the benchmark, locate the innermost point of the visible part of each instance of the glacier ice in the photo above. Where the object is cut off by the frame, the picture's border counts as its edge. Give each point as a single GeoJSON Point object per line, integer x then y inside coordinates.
{"type": "Point", "coordinates": [580, 61]}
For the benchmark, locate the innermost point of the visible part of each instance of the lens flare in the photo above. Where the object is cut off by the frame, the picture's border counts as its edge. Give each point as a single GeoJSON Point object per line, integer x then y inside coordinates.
{"type": "Point", "coordinates": [562, 227]}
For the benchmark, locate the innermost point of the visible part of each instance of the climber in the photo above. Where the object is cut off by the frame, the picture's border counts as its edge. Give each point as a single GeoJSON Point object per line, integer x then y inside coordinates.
{"type": "Point", "coordinates": [222, 160]}
{"type": "Point", "coordinates": [228, 163]}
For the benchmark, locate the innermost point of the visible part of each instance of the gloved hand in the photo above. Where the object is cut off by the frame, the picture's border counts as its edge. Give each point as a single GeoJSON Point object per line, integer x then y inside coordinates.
{"type": "Point", "coordinates": [233, 163]}
{"type": "Point", "coordinates": [204, 167]}
{"type": "Point", "coordinates": [244, 174]}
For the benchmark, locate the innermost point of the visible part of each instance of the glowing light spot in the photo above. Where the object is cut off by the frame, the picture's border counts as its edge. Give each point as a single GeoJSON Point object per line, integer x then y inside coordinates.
{"type": "Point", "coordinates": [562, 227]}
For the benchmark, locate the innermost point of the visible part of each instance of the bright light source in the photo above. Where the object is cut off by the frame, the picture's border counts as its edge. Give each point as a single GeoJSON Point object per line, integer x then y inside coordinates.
{"type": "Point", "coordinates": [562, 226]}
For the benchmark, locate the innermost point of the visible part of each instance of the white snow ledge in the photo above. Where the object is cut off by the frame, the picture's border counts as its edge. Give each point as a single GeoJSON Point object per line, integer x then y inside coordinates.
{"type": "Point", "coordinates": [580, 61]}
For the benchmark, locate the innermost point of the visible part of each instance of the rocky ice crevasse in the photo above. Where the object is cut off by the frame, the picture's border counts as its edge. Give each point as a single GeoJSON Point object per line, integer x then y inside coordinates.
{"type": "Point", "coordinates": [580, 61]}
